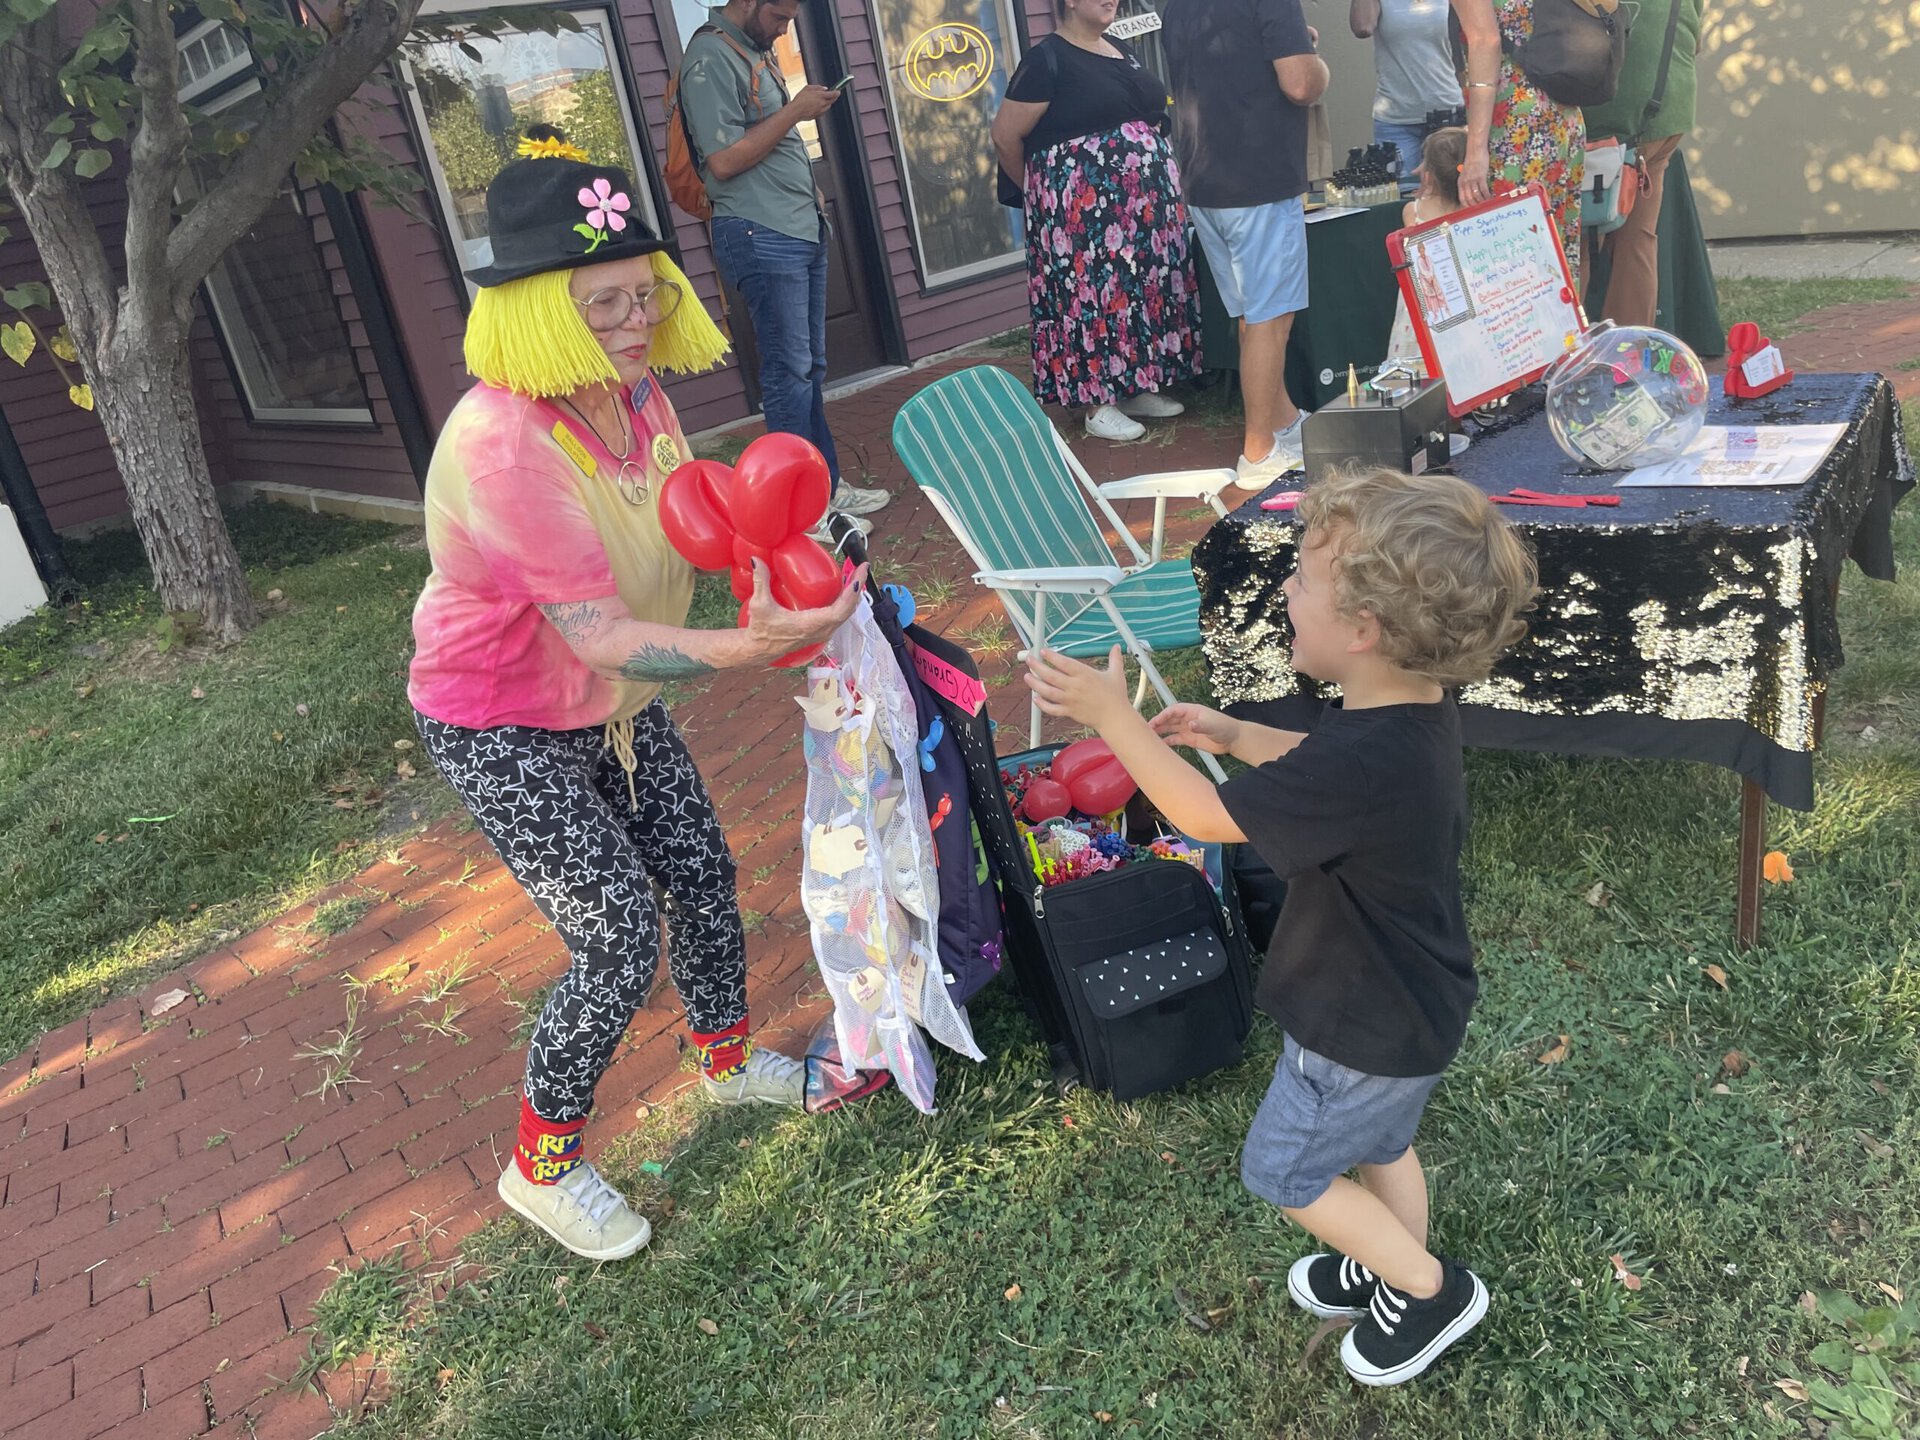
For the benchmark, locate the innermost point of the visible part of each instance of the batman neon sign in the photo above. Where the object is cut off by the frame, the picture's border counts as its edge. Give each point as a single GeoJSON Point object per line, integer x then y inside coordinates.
{"type": "Point", "coordinates": [948, 62]}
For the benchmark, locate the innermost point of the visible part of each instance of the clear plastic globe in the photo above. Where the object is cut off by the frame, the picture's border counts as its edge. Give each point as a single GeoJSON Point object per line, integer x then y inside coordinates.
{"type": "Point", "coordinates": [1626, 396]}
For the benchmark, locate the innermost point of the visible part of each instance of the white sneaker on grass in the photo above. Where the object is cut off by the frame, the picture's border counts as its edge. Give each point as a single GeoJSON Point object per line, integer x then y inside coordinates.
{"type": "Point", "coordinates": [819, 532]}
{"type": "Point", "coordinates": [1107, 423]}
{"type": "Point", "coordinates": [580, 1210]}
{"type": "Point", "coordinates": [768, 1078]}
{"type": "Point", "coordinates": [1151, 405]}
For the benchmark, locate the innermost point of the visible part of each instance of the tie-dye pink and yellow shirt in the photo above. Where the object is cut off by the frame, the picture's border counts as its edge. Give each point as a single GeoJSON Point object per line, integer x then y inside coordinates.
{"type": "Point", "coordinates": [524, 508]}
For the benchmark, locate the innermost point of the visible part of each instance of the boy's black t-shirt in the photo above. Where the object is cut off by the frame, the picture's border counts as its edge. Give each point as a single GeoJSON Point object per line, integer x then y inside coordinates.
{"type": "Point", "coordinates": [1084, 93]}
{"type": "Point", "coordinates": [1365, 819]}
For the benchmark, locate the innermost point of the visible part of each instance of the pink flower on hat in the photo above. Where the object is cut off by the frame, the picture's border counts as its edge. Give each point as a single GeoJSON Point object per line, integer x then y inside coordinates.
{"type": "Point", "coordinates": [604, 205]}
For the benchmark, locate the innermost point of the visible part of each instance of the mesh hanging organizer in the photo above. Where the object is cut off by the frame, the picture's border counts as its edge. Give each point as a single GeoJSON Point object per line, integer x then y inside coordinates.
{"type": "Point", "coordinates": [869, 885]}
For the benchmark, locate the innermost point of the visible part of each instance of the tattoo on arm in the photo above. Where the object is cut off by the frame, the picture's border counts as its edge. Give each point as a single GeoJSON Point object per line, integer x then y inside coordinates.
{"type": "Point", "coordinates": [662, 662]}
{"type": "Point", "coordinates": [575, 622]}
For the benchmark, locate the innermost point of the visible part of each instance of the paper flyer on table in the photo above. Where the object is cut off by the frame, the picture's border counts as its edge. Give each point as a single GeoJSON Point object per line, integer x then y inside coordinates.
{"type": "Point", "coordinates": [1744, 455]}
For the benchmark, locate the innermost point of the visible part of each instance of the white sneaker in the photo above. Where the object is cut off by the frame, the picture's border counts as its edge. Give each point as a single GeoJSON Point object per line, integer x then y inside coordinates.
{"type": "Point", "coordinates": [768, 1078]}
{"type": "Point", "coordinates": [580, 1210]}
{"type": "Point", "coordinates": [1284, 457]}
{"type": "Point", "coordinates": [852, 500]}
{"type": "Point", "coordinates": [819, 532]}
{"type": "Point", "coordinates": [1149, 405]}
{"type": "Point", "coordinates": [1107, 423]}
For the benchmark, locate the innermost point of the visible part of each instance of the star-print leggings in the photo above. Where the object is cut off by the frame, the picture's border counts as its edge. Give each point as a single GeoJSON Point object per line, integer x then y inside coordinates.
{"type": "Point", "coordinates": [555, 805]}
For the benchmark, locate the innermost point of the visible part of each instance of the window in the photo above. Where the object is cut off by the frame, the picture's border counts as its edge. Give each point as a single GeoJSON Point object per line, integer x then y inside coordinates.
{"type": "Point", "coordinates": [946, 73]}
{"type": "Point", "coordinates": [474, 111]}
{"type": "Point", "coordinates": [272, 299]}
{"type": "Point", "coordinates": [271, 295]}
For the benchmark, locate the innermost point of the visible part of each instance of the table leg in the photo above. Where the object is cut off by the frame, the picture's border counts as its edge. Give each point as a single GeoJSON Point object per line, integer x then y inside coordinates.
{"type": "Point", "coordinates": [1753, 850]}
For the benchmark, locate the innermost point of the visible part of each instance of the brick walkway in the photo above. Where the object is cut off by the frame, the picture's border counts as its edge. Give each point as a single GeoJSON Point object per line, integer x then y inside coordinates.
{"type": "Point", "coordinates": [176, 1196]}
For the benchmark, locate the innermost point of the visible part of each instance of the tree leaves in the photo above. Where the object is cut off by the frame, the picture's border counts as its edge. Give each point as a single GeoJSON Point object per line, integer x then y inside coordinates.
{"type": "Point", "coordinates": [91, 163]}
{"type": "Point", "coordinates": [57, 154]}
{"type": "Point", "coordinates": [81, 395]}
{"type": "Point", "coordinates": [18, 341]}
{"type": "Point", "coordinates": [1558, 1053]}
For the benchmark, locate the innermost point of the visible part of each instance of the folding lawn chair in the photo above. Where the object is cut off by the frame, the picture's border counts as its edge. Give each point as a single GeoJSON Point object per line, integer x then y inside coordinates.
{"type": "Point", "coordinates": [1017, 499]}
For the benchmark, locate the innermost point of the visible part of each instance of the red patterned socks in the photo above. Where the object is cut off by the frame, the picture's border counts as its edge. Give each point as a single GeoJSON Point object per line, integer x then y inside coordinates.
{"type": "Point", "coordinates": [724, 1053]}
{"type": "Point", "coordinates": [546, 1149]}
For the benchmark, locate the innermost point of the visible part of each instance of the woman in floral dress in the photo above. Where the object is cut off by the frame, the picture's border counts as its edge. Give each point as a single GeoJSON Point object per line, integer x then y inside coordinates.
{"type": "Point", "coordinates": [1081, 139]}
{"type": "Point", "coordinates": [1515, 134]}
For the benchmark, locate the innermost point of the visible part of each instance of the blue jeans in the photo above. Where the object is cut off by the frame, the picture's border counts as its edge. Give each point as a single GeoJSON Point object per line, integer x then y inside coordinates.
{"type": "Point", "coordinates": [784, 282]}
{"type": "Point", "coordinates": [1409, 138]}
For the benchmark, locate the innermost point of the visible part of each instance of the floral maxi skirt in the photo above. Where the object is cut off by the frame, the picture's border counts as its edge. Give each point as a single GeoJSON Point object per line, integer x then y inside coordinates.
{"type": "Point", "coordinates": [1116, 310]}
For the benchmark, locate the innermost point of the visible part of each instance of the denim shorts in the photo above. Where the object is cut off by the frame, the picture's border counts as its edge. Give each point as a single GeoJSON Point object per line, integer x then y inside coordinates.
{"type": "Point", "coordinates": [1258, 256]}
{"type": "Point", "coordinates": [1321, 1119]}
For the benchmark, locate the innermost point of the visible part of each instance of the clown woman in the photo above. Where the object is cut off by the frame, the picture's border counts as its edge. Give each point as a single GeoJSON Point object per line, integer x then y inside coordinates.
{"type": "Point", "coordinates": [555, 613]}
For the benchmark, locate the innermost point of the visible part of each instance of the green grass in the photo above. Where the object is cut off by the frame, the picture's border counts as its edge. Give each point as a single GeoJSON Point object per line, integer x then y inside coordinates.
{"type": "Point", "coordinates": [1777, 306]}
{"type": "Point", "coordinates": [140, 824]}
{"type": "Point", "coordinates": [852, 1274]}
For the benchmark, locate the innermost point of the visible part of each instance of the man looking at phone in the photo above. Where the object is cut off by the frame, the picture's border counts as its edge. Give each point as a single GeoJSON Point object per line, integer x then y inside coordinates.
{"type": "Point", "coordinates": [769, 218]}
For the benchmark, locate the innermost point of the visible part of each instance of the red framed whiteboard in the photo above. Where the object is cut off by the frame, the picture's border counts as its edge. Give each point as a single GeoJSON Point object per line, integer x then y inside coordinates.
{"type": "Point", "coordinates": [1489, 294]}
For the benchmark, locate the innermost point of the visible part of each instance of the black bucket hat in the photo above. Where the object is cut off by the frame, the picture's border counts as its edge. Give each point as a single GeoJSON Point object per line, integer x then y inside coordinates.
{"type": "Point", "coordinates": [553, 213]}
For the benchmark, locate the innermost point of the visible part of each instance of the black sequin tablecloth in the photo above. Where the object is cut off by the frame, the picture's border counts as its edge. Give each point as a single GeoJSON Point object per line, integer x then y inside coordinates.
{"type": "Point", "coordinates": [1692, 624]}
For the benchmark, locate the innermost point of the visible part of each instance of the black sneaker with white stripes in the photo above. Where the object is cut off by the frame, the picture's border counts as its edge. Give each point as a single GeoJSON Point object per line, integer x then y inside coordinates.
{"type": "Point", "coordinates": [1400, 1336]}
{"type": "Point", "coordinates": [1330, 1285]}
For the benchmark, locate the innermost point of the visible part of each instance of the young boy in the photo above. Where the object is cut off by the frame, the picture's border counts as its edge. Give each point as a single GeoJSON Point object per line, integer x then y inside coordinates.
{"type": "Point", "coordinates": [1405, 587]}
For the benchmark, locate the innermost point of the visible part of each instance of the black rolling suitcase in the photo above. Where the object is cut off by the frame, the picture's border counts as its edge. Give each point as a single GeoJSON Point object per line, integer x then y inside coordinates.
{"type": "Point", "coordinates": [1140, 977]}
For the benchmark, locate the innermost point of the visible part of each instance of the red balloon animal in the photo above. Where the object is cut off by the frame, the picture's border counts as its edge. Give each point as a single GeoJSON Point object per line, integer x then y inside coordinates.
{"type": "Point", "coordinates": [760, 509]}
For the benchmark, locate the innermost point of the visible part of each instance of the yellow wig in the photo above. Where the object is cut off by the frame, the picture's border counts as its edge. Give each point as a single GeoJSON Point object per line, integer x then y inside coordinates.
{"type": "Point", "coordinates": [529, 337]}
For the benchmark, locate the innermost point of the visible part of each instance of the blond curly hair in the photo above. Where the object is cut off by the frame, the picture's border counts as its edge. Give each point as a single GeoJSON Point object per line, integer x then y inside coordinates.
{"type": "Point", "coordinates": [1431, 560]}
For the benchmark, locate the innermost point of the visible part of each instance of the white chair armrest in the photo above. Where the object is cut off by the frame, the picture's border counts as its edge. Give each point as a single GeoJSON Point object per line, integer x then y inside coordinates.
{"type": "Point", "coordinates": [1069, 580]}
{"type": "Point", "coordinates": [1174, 484]}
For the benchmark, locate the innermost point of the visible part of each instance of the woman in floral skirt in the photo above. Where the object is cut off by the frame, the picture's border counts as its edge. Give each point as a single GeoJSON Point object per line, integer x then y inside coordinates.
{"type": "Point", "coordinates": [1515, 134]}
{"type": "Point", "coordinates": [1081, 139]}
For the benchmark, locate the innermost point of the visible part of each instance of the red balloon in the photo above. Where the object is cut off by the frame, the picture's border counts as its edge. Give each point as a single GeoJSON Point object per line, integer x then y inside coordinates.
{"type": "Point", "coordinates": [780, 485]}
{"type": "Point", "coordinates": [694, 514]}
{"type": "Point", "coordinates": [1045, 799]}
{"type": "Point", "coordinates": [1094, 777]}
{"type": "Point", "coordinates": [807, 572]}
{"type": "Point", "coordinates": [740, 582]}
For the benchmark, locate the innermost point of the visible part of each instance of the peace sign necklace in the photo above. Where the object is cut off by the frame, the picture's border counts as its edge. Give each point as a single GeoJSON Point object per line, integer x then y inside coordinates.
{"type": "Point", "coordinates": [632, 477]}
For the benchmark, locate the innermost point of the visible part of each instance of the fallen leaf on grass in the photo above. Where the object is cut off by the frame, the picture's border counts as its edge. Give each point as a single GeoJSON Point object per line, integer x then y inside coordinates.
{"type": "Point", "coordinates": [1723, 1089]}
{"type": "Point", "coordinates": [339, 609]}
{"type": "Point", "coordinates": [1891, 1292]}
{"type": "Point", "coordinates": [707, 1327]}
{"type": "Point", "coordinates": [276, 594]}
{"type": "Point", "coordinates": [444, 1376]}
{"type": "Point", "coordinates": [1598, 896]}
{"type": "Point", "coordinates": [1715, 974]}
{"type": "Point", "coordinates": [1105, 1417]}
{"type": "Point", "coordinates": [300, 709]}
{"type": "Point", "coordinates": [1319, 1336]}
{"type": "Point", "coordinates": [165, 1002]}
{"type": "Point", "coordinates": [81, 692]}
{"type": "Point", "coordinates": [1740, 1367]}
{"type": "Point", "coordinates": [1167, 1155]}
{"type": "Point", "coordinates": [1878, 1149]}
{"type": "Point", "coordinates": [1733, 1064]}
{"type": "Point", "coordinates": [1775, 869]}
{"type": "Point", "coordinates": [403, 744]}
{"type": "Point", "coordinates": [404, 770]}
{"type": "Point", "coordinates": [594, 1330]}
{"type": "Point", "coordinates": [197, 693]}
{"type": "Point", "coordinates": [1809, 1302]}
{"type": "Point", "coordinates": [1625, 1276]}
{"type": "Point", "coordinates": [1792, 1389]}
{"type": "Point", "coordinates": [1012, 1292]}
{"type": "Point", "coordinates": [1558, 1053]}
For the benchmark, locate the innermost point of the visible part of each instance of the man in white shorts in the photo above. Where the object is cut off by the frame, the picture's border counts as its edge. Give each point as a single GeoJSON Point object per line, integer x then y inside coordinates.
{"type": "Point", "coordinates": [1243, 73]}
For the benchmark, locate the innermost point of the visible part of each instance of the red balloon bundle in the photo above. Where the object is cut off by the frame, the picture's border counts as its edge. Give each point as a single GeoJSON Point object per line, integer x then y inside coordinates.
{"type": "Point", "coordinates": [1085, 776]}
{"type": "Point", "coordinates": [761, 508]}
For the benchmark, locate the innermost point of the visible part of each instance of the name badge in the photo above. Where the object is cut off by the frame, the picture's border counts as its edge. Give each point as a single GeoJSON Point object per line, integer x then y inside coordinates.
{"type": "Point", "coordinates": [574, 450]}
{"type": "Point", "coordinates": [642, 393]}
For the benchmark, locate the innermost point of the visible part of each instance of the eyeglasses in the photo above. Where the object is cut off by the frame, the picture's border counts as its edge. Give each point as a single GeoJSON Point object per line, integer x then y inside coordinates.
{"type": "Point", "coordinates": [612, 307]}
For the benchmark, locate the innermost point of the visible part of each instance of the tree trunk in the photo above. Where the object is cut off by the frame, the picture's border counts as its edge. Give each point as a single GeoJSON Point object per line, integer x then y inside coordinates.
{"type": "Point", "coordinates": [143, 391]}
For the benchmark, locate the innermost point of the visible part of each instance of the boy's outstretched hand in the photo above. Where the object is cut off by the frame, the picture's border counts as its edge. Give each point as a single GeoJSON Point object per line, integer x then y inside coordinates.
{"type": "Point", "coordinates": [1197, 727]}
{"type": "Point", "coordinates": [1076, 691]}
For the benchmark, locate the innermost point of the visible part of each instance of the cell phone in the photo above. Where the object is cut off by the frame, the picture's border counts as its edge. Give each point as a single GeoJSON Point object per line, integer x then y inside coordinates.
{"type": "Point", "coordinates": [841, 83]}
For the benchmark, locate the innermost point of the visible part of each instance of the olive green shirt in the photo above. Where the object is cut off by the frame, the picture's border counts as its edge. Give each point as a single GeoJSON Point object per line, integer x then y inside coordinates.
{"type": "Point", "coordinates": [1620, 116]}
{"type": "Point", "coordinates": [716, 95]}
